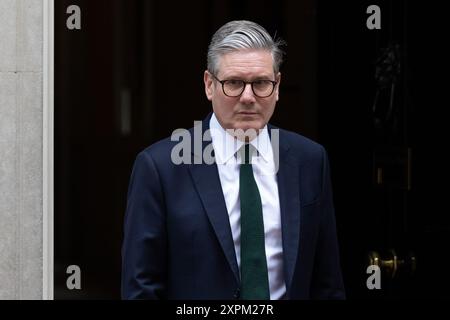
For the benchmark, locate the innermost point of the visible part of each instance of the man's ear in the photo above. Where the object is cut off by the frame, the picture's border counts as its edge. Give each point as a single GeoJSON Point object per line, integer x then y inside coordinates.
{"type": "Point", "coordinates": [208, 80]}
{"type": "Point", "coordinates": [278, 79]}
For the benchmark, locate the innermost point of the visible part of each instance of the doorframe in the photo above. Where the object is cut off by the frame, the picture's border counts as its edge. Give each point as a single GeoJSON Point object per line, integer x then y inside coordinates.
{"type": "Point", "coordinates": [48, 151]}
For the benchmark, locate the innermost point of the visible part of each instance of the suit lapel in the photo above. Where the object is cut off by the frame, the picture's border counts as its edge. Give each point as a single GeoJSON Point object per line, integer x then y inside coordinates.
{"type": "Point", "coordinates": [288, 189]}
{"type": "Point", "coordinates": [206, 180]}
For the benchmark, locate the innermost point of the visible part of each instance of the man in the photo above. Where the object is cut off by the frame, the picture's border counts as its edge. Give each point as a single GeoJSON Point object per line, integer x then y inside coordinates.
{"type": "Point", "coordinates": [245, 226]}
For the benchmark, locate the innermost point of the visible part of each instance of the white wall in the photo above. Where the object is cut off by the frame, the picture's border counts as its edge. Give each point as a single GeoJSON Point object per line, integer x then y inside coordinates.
{"type": "Point", "coordinates": [21, 148]}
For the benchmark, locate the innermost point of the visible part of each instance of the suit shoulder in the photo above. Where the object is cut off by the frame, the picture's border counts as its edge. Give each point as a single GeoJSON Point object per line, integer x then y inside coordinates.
{"type": "Point", "coordinates": [158, 151]}
{"type": "Point", "coordinates": [301, 144]}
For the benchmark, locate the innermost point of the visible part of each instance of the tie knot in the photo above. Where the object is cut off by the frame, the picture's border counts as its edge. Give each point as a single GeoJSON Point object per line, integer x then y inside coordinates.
{"type": "Point", "coordinates": [246, 152]}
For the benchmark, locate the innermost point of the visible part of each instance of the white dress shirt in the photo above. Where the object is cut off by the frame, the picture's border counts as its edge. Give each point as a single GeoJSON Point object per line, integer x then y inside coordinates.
{"type": "Point", "coordinates": [225, 148]}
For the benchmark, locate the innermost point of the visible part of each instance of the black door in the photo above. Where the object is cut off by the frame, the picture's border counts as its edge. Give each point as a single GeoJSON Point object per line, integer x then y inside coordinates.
{"type": "Point", "coordinates": [381, 113]}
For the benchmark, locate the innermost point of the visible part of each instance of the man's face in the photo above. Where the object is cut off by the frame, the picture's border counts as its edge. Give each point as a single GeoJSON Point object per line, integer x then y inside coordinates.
{"type": "Point", "coordinates": [246, 111]}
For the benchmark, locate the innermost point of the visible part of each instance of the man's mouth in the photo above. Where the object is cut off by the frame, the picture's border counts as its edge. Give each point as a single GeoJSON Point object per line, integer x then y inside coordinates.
{"type": "Point", "coordinates": [247, 113]}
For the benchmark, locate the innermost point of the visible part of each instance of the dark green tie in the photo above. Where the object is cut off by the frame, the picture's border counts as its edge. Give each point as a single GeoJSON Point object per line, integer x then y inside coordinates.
{"type": "Point", "coordinates": [254, 276]}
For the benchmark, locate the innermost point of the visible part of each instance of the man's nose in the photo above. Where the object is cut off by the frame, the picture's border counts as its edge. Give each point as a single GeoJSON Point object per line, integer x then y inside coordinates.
{"type": "Point", "coordinates": [247, 95]}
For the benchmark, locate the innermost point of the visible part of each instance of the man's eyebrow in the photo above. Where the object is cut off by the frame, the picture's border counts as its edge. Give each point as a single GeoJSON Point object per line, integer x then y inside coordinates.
{"type": "Point", "coordinates": [259, 77]}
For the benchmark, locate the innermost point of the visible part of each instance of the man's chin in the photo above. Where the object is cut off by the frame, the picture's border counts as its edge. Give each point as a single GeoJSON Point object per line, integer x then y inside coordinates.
{"type": "Point", "coordinates": [250, 125]}
{"type": "Point", "coordinates": [247, 130]}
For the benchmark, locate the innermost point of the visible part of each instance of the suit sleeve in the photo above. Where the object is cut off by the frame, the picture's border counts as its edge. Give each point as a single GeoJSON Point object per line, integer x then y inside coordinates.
{"type": "Point", "coordinates": [144, 256]}
{"type": "Point", "coordinates": [327, 280]}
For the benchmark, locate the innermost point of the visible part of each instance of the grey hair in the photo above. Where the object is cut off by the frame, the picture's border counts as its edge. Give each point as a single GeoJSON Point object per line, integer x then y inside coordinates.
{"type": "Point", "coordinates": [242, 34]}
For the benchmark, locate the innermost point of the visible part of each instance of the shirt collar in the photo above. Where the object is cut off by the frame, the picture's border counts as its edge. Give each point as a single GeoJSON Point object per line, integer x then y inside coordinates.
{"type": "Point", "coordinates": [226, 146]}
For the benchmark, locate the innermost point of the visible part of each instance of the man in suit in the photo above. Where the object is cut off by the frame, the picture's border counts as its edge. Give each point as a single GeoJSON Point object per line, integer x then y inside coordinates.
{"type": "Point", "coordinates": [255, 223]}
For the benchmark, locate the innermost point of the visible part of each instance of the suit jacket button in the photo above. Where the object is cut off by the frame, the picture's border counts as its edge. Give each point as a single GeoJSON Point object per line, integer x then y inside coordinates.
{"type": "Point", "coordinates": [237, 294]}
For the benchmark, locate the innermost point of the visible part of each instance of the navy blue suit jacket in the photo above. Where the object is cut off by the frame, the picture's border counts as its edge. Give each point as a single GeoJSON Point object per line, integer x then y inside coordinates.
{"type": "Point", "coordinates": [177, 236]}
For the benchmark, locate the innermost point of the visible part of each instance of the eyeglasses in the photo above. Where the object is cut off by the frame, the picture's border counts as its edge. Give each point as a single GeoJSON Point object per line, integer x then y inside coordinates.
{"type": "Point", "coordinates": [234, 88]}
